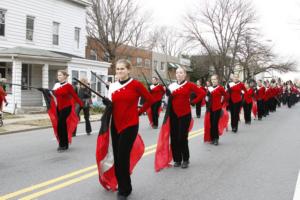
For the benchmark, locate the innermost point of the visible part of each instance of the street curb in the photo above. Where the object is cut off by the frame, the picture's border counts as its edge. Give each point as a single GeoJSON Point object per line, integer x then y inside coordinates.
{"type": "Point", "coordinates": [37, 128]}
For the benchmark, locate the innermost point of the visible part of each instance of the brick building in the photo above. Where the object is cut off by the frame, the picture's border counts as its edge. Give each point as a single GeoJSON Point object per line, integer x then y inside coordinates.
{"type": "Point", "coordinates": [140, 58]}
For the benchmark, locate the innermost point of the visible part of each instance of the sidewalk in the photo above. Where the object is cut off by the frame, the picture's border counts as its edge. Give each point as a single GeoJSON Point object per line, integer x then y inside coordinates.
{"type": "Point", "coordinates": [26, 122]}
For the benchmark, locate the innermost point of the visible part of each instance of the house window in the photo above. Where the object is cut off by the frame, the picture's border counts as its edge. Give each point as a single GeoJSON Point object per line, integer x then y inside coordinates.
{"type": "Point", "coordinates": [162, 66]}
{"type": "Point", "coordinates": [106, 57]}
{"type": "Point", "coordinates": [26, 76]}
{"type": "Point", "coordinates": [155, 64]}
{"type": "Point", "coordinates": [139, 61]}
{"type": "Point", "coordinates": [29, 28]}
{"type": "Point", "coordinates": [75, 74]}
{"type": "Point", "coordinates": [77, 36]}
{"type": "Point", "coordinates": [93, 55]}
{"type": "Point", "coordinates": [55, 34]}
{"type": "Point", "coordinates": [147, 63]}
{"type": "Point", "coordinates": [83, 74]}
{"type": "Point", "coordinates": [2, 22]}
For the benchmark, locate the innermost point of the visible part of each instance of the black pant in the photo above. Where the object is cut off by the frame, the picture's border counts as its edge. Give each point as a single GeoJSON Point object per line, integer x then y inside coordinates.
{"type": "Point", "coordinates": [235, 114]}
{"type": "Point", "coordinates": [179, 137]}
{"type": "Point", "coordinates": [198, 109]}
{"type": "Point", "coordinates": [86, 114]}
{"type": "Point", "coordinates": [266, 103]}
{"type": "Point", "coordinates": [214, 124]}
{"type": "Point", "coordinates": [62, 128]}
{"type": "Point", "coordinates": [122, 144]}
{"type": "Point", "coordinates": [260, 108]}
{"type": "Point", "coordinates": [154, 109]}
{"type": "Point", "coordinates": [247, 111]}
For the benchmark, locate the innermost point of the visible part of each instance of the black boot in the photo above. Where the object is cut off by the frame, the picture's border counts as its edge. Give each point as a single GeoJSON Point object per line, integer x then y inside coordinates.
{"type": "Point", "coordinates": [177, 164]}
{"type": "Point", "coordinates": [185, 164]}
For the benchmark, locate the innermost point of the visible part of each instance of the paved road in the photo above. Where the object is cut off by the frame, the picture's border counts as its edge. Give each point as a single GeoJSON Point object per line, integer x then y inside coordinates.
{"type": "Point", "coordinates": [261, 162]}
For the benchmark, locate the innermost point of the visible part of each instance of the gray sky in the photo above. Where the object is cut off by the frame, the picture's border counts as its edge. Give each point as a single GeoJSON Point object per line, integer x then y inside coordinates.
{"type": "Point", "coordinates": [277, 20]}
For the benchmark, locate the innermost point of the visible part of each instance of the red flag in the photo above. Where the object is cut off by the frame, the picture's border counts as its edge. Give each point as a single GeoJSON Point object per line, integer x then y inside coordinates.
{"type": "Point", "coordinates": [149, 114]}
{"type": "Point", "coordinates": [72, 119]}
{"type": "Point", "coordinates": [203, 102]}
{"type": "Point", "coordinates": [254, 108]}
{"type": "Point", "coordinates": [104, 153]}
{"type": "Point", "coordinates": [163, 154]}
{"type": "Point", "coordinates": [223, 123]}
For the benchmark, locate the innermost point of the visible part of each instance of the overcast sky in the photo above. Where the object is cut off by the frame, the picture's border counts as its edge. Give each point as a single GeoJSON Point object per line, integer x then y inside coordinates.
{"type": "Point", "coordinates": [278, 21]}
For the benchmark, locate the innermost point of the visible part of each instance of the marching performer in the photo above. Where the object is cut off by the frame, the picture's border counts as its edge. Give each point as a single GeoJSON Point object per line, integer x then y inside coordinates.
{"type": "Point", "coordinates": [259, 95]}
{"type": "Point", "coordinates": [247, 103]}
{"type": "Point", "coordinates": [2, 98]}
{"type": "Point", "coordinates": [67, 118]}
{"type": "Point", "coordinates": [216, 117]}
{"type": "Point", "coordinates": [123, 125]}
{"type": "Point", "coordinates": [177, 122]}
{"type": "Point", "coordinates": [200, 103]}
{"type": "Point", "coordinates": [234, 90]}
{"type": "Point", "coordinates": [157, 92]}
{"type": "Point", "coordinates": [267, 97]}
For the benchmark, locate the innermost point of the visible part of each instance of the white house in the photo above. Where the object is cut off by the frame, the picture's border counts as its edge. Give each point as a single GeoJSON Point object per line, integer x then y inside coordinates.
{"type": "Point", "coordinates": [37, 38]}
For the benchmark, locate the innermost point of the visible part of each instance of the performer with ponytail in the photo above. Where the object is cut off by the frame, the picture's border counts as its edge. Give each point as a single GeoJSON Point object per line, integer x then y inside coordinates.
{"type": "Point", "coordinates": [177, 122]}
{"type": "Point", "coordinates": [157, 91]}
{"type": "Point", "coordinates": [234, 90]}
{"type": "Point", "coordinates": [216, 109]}
{"type": "Point", "coordinates": [247, 103]}
{"type": "Point", "coordinates": [202, 102]}
{"type": "Point", "coordinates": [65, 107]}
{"type": "Point", "coordinates": [127, 145]}
{"type": "Point", "coordinates": [259, 95]}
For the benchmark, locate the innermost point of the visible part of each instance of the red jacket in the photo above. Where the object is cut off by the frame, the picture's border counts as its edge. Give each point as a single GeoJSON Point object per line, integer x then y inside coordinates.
{"type": "Point", "coordinates": [216, 94]}
{"type": "Point", "coordinates": [268, 94]}
{"type": "Point", "coordinates": [260, 93]}
{"type": "Point", "coordinates": [125, 98]}
{"type": "Point", "coordinates": [65, 95]}
{"type": "Point", "coordinates": [235, 91]}
{"type": "Point", "coordinates": [181, 97]}
{"type": "Point", "coordinates": [248, 95]}
{"type": "Point", "coordinates": [157, 92]}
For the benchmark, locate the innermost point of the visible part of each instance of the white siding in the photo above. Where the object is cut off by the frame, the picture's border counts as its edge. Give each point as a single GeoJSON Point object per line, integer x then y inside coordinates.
{"type": "Point", "coordinates": [68, 14]}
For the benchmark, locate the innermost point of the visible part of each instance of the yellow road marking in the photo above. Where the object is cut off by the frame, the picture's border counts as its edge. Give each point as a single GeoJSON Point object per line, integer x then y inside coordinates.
{"type": "Point", "coordinates": [62, 185]}
{"type": "Point", "coordinates": [43, 184]}
{"type": "Point", "coordinates": [148, 150]}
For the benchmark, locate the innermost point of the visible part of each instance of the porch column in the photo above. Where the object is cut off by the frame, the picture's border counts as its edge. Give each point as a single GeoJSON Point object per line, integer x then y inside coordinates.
{"type": "Point", "coordinates": [45, 78]}
{"type": "Point", "coordinates": [16, 78]}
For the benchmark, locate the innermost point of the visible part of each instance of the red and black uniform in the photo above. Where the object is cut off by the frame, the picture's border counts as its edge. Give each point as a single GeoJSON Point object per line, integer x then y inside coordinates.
{"type": "Point", "coordinates": [273, 98]}
{"type": "Point", "coordinates": [200, 103]}
{"type": "Point", "coordinates": [267, 97]}
{"type": "Point", "coordinates": [124, 96]}
{"type": "Point", "coordinates": [215, 98]}
{"type": "Point", "coordinates": [157, 92]}
{"type": "Point", "coordinates": [2, 97]}
{"type": "Point", "coordinates": [247, 105]}
{"type": "Point", "coordinates": [235, 102]}
{"type": "Point", "coordinates": [259, 95]}
{"type": "Point", "coordinates": [65, 96]}
{"type": "Point", "coordinates": [180, 117]}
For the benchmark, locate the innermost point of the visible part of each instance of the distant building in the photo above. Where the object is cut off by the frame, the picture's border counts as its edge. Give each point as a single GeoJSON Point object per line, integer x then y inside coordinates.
{"type": "Point", "coordinates": [139, 58]}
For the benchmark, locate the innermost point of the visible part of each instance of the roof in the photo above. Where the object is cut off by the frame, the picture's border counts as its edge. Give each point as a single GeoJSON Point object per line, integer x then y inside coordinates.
{"type": "Point", "coordinates": [67, 54]}
{"type": "Point", "coordinates": [81, 2]}
{"type": "Point", "coordinates": [175, 66]}
{"type": "Point", "coordinates": [32, 53]}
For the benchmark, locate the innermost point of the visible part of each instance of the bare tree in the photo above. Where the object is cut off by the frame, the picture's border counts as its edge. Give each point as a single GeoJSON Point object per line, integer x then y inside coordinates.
{"type": "Point", "coordinates": [167, 40]}
{"type": "Point", "coordinates": [113, 23]}
{"type": "Point", "coordinates": [218, 29]}
{"type": "Point", "coordinates": [255, 57]}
